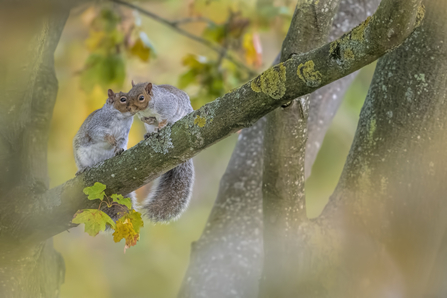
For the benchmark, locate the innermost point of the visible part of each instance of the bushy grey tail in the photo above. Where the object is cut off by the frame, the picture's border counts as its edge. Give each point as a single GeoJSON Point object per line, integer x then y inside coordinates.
{"type": "Point", "coordinates": [171, 194]}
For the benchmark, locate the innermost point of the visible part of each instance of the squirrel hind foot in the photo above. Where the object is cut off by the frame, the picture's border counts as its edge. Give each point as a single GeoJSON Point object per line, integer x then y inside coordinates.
{"type": "Point", "coordinates": [81, 171]}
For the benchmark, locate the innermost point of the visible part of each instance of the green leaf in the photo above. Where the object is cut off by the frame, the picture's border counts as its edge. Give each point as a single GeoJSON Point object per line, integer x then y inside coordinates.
{"type": "Point", "coordinates": [214, 33]}
{"type": "Point", "coordinates": [123, 201]}
{"type": "Point", "coordinates": [94, 220]}
{"type": "Point", "coordinates": [96, 191]}
{"type": "Point", "coordinates": [103, 70]}
{"type": "Point", "coordinates": [135, 219]}
{"type": "Point", "coordinates": [187, 78]}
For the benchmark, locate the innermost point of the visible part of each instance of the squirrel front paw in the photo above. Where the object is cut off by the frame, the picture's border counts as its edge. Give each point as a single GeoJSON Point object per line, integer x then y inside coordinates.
{"type": "Point", "coordinates": [118, 151]}
{"type": "Point", "coordinates": [149, 120]}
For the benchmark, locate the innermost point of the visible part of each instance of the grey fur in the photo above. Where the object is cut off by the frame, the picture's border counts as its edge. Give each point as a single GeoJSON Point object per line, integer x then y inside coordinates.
{"type": "Point", "coordinates": [172, 192]}
{"type": "Point", "coordinates": [167, 103]}
{"type": "Point", "coordinates": [91, 147]}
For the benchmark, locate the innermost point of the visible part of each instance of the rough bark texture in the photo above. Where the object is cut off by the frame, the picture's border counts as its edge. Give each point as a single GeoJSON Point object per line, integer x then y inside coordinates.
{"type": "Point", "coordinates": [300, 75]}
{"type": "Point", "coordinates": [28, 88]}
{"type": "Point", "coordinates": [388, 212]}
{"type": "Point", "coordinates": [325, 102]}
{"type": "Point", "coordinates": [225, 261]}
{"type": "Point", "coordinates": [285, 137]}
{"type": "Point", "coordinates": [216, 268]}
{"type": "Point", "coordinates": [383, 231]}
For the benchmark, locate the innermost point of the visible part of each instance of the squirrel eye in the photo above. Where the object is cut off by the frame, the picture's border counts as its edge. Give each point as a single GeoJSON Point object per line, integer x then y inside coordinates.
{"type": "Point", "coordinates": [141, 98]}
{"type": "Point", "coordinates": [123, 99]}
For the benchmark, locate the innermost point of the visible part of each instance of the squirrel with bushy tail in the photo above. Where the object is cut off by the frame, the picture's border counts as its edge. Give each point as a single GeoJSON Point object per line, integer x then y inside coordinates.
{"type": "Point", "coordinates": [104, 134]}
{"type": "Point", "coordinates": [158, 106]}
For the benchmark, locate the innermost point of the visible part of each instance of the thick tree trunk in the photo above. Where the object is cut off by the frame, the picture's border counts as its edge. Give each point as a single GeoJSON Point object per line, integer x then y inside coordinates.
{"type": "Point", "coordinates": [390, 201]}
{"type": "Point", "coordinates": [28, 89]}
{"type": "Point", "coordinates": [383, 232]}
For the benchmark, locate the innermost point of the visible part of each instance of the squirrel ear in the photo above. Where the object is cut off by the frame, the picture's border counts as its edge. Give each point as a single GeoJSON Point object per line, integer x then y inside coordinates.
{"type": "Point", "coordinates": [133, 84]}
{"type": "Point", "coordinates": [148, 88]}
{"type": "Point", "coordinates": [111, 96]}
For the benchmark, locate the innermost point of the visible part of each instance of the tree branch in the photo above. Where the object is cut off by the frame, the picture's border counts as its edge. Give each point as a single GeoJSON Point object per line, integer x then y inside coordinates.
{"type": "Point", "coordinates": [174, 25]}
{"type": "Point", "coordinates": [300, 75]}
{"type": "Point", "coordinates": [193, 20]}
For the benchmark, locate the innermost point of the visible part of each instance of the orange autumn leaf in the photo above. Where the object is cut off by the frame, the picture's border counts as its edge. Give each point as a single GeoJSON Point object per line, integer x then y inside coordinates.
{"type": "Point", "coordinates": [253, 49]}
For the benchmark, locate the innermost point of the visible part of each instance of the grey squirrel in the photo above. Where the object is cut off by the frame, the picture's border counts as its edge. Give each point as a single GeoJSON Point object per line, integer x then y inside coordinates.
{"type": "Point", "coordinates": [158, 106]}
{"type": "Point", "coordinates": [103, 135]}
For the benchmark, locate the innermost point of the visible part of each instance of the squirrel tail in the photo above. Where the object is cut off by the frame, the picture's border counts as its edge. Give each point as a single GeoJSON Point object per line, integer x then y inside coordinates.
{"type": "Point", "coordinates": [171, 193]}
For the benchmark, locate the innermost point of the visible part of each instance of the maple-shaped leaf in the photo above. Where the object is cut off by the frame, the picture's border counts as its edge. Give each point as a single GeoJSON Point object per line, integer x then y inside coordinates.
{"type": "Point", "coordinates": [128, 227]}
{"type": "Point", "coordinates": [135, 219]}
{"type": "Point", "coordinates": [124, 229]}
{"type": "Point", "coordinates": [123, 201]}
{"type": "Point", "coordinates": [96, 191]}
{"type": "Point", "coordinates": [94, 220]}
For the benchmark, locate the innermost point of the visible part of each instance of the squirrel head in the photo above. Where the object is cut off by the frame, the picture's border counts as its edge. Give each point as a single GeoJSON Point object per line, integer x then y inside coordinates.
{"type": "Point", "coordinates": [140, 95]}
{"type": "Point", "coordinates": [120, 101]}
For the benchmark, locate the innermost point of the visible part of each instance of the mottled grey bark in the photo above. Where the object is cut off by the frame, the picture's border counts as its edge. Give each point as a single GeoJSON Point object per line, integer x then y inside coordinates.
{"type": "Point", "coordinates": [285, 136]}
{"type": "Point", "coordinates": [325, 102]}
{"type": "Point", "coordinates": [388, 214]}
{"type": "Point", "coordinates": [28, 90]}
{"type": "Point", "coordinates": [225, 262]}
{"type": "Point", "coordinates": [383, 232]}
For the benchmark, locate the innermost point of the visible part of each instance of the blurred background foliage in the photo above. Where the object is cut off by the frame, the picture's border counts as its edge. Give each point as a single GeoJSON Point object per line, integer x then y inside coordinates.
{"type": "Point", "coordinates": [108, 45]}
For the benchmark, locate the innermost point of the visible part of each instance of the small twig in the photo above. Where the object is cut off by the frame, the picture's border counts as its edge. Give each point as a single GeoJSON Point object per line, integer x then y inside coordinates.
{"type": "Point", "coordinates": [175, 27]}
{"type": "Point", "coordinates": [193, 20]}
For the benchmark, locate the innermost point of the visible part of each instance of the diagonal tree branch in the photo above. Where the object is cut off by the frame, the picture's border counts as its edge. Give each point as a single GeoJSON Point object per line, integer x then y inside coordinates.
{"type": "Point", "coordinates": [175, 26]}
{"type": "Point", "coordinates": [298, 76]}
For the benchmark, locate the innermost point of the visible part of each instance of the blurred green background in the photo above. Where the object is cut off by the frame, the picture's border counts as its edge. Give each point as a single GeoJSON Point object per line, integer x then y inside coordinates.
{"type": "Point", "coordinates": [96, 266]}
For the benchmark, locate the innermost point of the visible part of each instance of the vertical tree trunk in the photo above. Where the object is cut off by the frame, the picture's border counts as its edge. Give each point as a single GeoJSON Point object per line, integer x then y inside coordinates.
{"type": "Point", "coordinates": [28, 88]}
{"type": "Point", "coordinates": [383, 232]}
{"type": "Point", "coordinates": [284, 158]}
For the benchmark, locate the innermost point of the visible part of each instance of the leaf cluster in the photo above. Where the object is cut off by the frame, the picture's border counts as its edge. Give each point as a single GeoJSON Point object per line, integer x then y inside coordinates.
{"type": "Point", "coordinates": [95, 220]}
{"type": "Point", "coordinates": [107, 43]}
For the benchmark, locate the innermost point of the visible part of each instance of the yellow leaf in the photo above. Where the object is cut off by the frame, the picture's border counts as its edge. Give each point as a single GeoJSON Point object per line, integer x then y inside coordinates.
{"type": "Point", "coordinates": [128, 228]}
{"type": "Point", "coordinates": [253, 49]}
{"type": "Point", "coordinates": [95, 40]}
{"type": "Point", "coordinates": [140, 50]}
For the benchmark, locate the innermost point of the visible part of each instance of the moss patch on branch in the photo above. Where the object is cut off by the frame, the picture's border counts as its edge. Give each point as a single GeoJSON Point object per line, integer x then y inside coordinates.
{"type": "Point", "coordinates": [271, 82]}
{"type": "Point", "coordinates": [199, 121]}
{"type": "Point", "coordinates": [307, 73]}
